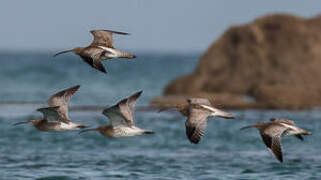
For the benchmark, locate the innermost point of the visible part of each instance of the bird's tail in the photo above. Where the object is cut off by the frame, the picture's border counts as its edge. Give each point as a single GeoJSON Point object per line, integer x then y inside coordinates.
{"type": "Point", "coordinates": [253, 126]}
{"type": "Point", "coordinates": [306, 132]}
{"type": "Point", "coordinates": [127, 55]}
{"type": "Point", "coordinates": [148, 132]}
{"type": "Point", "coordinates": [66, 51]}
{"type": "Point", "coordinates": [81, 126]}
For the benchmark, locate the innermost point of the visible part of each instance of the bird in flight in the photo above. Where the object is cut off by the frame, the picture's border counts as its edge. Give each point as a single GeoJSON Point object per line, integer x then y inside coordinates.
{"type": "Point", "coordinates": [55, 117]}
{"type": "Point", "coordinates": [121, 117]}
{"type": "Point", "coordinates": [271, 133]}
{"type": "Point", "coordinates": [100, 49]}
{"type": "Point", "coordinates": [197, 110]}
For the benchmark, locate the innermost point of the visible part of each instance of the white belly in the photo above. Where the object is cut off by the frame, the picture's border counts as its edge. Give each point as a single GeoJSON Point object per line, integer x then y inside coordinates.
{"type": "Point", "coordinates": [127, 131]}
{"type": "Point", "coordinates": [67, 126]}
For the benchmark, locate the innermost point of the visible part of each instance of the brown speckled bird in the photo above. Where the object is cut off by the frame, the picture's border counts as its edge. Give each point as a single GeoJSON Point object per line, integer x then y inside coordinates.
{"type": "Point", "coordinates": [198, 110]}
{"type": "Point", "coordinates": [121, 117]}
{"type": "Point", "coordinates": [52, 121]}
{"type": "Point", "coordinates": [271, 133]}
{"type": "Point", "coordinates": [55, 117]}
{"type": "Point", "coordinates": [100, 49]}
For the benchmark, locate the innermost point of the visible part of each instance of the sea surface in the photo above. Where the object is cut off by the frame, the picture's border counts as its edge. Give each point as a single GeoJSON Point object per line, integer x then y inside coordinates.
{"type": "Point", "coordinates": [225, 152]}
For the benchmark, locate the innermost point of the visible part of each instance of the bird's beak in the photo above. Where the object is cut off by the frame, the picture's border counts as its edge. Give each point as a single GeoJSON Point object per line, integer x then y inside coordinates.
{"type": "Point", "coordinates": [223, 114]}
{"type": "Point", "coordinates": [25, 122]}
{"type": "Point", "coordinates": [167, 108]}
{"type": "Point", "coordinates": [86, 130]}
{"type": "Point", "coordinates": [62, 52]}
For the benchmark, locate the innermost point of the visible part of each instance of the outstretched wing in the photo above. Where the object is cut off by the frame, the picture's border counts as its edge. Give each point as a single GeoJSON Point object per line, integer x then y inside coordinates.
{"type": "Point", "coordinates": [273, 143]}
{"type": "Point", "coordinates": [272, 139]}
{"type": "Point", "coordinates": [104, 37]}
{"type": "Point", "coordinates": [61, 99]}
{"type": "Point", "coordinates": [122, 113]}
{"type": "Point", "coordinates": [51, 113]}
{"type": "Point", "coordinates": [127, 107]}
{"type": "Point", "coordinates": [115, 116]}
{"type": "Point", "coordinates": [94, 63]}
{"type": "Point", "coordinates": [92, 56]}
{"type": "Point", "coordinates": [280, 120]}
{"type": "Point", "coordinates": [196, 124]}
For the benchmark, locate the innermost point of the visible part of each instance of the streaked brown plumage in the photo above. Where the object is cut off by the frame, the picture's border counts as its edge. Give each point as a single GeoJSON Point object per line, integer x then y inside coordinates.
{"type": "Point", "coordinates": [56, 116]}
{"type": "Point", "coordinates": [121, 117]}
{"type": "Point", "coordinates": [52, 121]}
{"type": "Point", "coordinates": [198, 110]}
{"type": "Point", "coordinates": [61, 99]}
{"type": "Point", "coordinates": [100, 49]}
{"type": "Point", "coordinates": [271, 133]}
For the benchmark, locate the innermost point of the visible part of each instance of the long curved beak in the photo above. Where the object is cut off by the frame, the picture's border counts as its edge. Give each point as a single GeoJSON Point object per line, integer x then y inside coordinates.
{"type": "Point", "coordinates": [86, 130]}
{"type": "Point", "coordinates": [66, 51]}
{"type": "Point", "coordinates": [246, 127]}
{"type": "Point", "coordinates": [25, 122]}
{"type": "Point", "coordinates": [167, 108]}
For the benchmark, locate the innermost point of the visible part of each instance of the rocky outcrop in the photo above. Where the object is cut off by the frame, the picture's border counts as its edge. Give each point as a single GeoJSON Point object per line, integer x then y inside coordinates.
{"type": "Point", "coordinates": [274, 60]}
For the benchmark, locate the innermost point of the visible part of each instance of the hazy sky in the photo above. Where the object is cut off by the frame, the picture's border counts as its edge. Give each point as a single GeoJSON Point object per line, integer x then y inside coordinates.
{"type": "Point", "coordinates": [157, 25]}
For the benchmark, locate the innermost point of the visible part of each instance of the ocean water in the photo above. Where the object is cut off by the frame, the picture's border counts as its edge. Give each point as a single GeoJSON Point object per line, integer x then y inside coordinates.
{"type": "Point", "coordinates": [225, 152]}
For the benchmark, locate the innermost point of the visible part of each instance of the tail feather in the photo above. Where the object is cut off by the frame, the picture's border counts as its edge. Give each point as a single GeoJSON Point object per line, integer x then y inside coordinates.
{"type": "Point", "coordinates": [148, 132]}
{"type": "Point", "coordinates": [82, 126]}
{"type": "Point", "coordinates": [127, 55]}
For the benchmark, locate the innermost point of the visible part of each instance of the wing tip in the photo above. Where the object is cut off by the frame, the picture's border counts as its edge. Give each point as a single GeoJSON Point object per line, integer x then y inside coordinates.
{"type": "Point", "coordinates": [51, 108]}
{"type": "Point", "coordinates": [100, 67]}
{"type": "Point", "coordinates": [279, 158]}
{"type": "Point", "coordinates": [76, 87]}
{"type": "Point", "coordinates": [139, 92]}
{"type": "Point", "coordinates": [193, 141]}
{"type": "Point", "coordinates": [136, 95]}
{"type": "Point", "coordinates": [193, 137]}
{"type": "Point", "coordinates": [103, 71]}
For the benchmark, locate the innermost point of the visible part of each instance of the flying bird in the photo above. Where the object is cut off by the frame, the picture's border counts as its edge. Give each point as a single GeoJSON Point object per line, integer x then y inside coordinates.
{"type": "Point", "coordinates": [197, 110]}
{"type": "Point", "coordinates": [55, 117]}
{"type": "Point", "coordinates": [100, 49]}
{"type": "Point", "coordinates": [271, 133]}
{"type": "Point", "coordinates": [121, 117]}
{"type": "Point", "coordinates": [52, 121]}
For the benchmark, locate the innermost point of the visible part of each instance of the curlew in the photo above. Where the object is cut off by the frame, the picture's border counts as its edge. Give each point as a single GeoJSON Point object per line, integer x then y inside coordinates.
{"type": "Point", "coordinates": [271, 133]}
{"type": "Point", "coordinates": [198, 110]}
{"type": "Point", "coordinates": [121, 117]}
{"type": "Point", "coordinates": [55, 117]}
{"type": "Point", "coordinates": [100, 49]}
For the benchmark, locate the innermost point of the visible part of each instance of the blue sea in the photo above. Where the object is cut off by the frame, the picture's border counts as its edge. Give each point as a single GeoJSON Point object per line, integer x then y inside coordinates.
{"type": "Point", "coordinates": [225, 152]}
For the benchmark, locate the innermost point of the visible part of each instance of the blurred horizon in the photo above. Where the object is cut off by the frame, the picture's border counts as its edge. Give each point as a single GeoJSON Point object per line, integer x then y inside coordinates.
{"type": "Point", "coordinates": [155, 26]}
